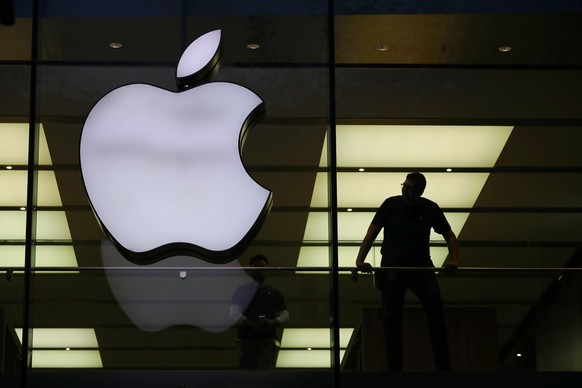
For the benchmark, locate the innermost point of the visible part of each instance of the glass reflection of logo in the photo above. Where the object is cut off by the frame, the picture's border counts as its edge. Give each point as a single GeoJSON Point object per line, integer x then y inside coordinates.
{"type": "Point", "coordinates": [164, 176]}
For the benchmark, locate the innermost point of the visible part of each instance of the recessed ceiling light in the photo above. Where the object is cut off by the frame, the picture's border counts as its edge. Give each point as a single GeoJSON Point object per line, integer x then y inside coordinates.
{"type": "Point", "coordinates": [361, 169]}
{"type": "Point", "coordinates": [9, 167]}
{"type": "Point", "coordinates": [116, 45]}
{"type": "Point", "coordinates": [449, 169]}
{"type": "Point", "coordinates": [253, 46]}
{"type": "Point", "coordinates": [350, 209]}
{"type": "Point", "coordinates": [382, 47]}
{"type": "Point", "coordinates": [504, 49]}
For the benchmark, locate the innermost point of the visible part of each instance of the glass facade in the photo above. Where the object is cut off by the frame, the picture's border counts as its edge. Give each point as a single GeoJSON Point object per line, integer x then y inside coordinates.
{"type": "Point", "coordinates": [482, 99]}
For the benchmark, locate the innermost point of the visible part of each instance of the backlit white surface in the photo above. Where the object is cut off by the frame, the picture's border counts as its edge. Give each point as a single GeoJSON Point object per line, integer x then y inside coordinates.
{"type": "Point", "coordinates": [198, 54]}
{"type": "Point", "coordinates": [14, 144]}
{"type": "Point", "coordinates": [62, 338]}
{"type": "Point", "coordinates": [370, 189]}
{"type": "Point", "coordinates": [66, 359]}
{"type": "Point", "coordinates": [316, 358]}
{"type": "Point", "coordinates": [163, 167]}
{"type": "Point", "coordinates": [419, 145]}
{"type": "Point", "coordinates": [360, 147]}
{"type": "Point", "coordinates": [313, 338]}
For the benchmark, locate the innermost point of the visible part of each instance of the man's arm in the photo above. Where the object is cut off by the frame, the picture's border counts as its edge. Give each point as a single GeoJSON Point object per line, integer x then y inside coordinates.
{"type": "Point", "coordinates": [371, 235]}
{"type": "Point", "coordinates": [453, 246]}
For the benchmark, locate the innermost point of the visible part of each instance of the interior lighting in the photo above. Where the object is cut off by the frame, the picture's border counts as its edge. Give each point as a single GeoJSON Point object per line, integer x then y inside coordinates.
{"type": "Point", "coordinates": [361, 169]}
{"type": "Point", "coordinates": [253, 46]}
{"type": "Point", "coordinates": [116, 45]}
{"type": "Point", "coordinates": [382, 47]}
{"type": "Point", "coordinates": [404, 146]}
{"type": "Point", "coordinates": [51, 225]}
{"type": "Point", "coordinates": [504, 49]}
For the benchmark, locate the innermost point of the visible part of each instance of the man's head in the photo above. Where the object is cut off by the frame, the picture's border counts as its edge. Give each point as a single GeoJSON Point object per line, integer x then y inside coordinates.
{"type": "Point", "coordinates": [258, 261]}
{"type": "Point", "coordinates": [413, 187]}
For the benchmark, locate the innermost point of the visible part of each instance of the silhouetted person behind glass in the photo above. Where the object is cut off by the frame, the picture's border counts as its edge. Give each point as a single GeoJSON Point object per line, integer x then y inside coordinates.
{"type": "Point", "coordinates": [257, 324]}
{"type": "Point", "coordinates": [407, 220]}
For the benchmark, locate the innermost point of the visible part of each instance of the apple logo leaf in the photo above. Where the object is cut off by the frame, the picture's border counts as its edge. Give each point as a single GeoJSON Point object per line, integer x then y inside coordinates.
{"type": "Point", "coordinates": [200, 61]}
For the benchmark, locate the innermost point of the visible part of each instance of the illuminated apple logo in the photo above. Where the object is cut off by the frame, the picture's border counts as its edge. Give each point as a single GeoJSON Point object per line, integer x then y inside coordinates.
{"type": "Point", "coordinates": [164, 176]}
{"type": "Point", "coordinates": [163, 169]}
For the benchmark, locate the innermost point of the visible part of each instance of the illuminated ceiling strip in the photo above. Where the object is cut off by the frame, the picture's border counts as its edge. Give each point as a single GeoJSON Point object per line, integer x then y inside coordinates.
{"type": "Point", "coordinates": [309, 347]}
{"type": "Point", "coordinates": [66, 359]}
{"type": "Point", "coordinates": [418, 145]}
{"type": "Point", "coordinates": [61, 348]}
{"type": "Point", "coordinates": [365, 146]}
{"type": "Point", "coordinates": [14, 145]}
{"type": "Point", "coordinates": [305, 358]}
{"type": "Point", "coordinates": [318, 256]}
{"type": "Point", "coordinates": [303, 338]}
{"type": "Point", "coordinates": [51, 225]}
{"type": "Point", "coordinates": [62, 338]}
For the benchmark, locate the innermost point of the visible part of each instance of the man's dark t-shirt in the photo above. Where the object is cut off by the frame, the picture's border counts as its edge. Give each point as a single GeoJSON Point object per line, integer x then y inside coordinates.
{"type": "Point", "coordinates": [407, 231]}
{"type": "Point", "coordinates": [268, 301]}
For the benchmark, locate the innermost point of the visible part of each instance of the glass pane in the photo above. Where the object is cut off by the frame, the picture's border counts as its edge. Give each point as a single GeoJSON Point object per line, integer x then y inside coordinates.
{"type": "Point", "coordinates": [15, 71]}
{"type": "Point", "coordinates": [497, 139]}
{"type": "Point", "coordinates": [172, 311]}
{"type": "Point", "coordinates": [495, 320]}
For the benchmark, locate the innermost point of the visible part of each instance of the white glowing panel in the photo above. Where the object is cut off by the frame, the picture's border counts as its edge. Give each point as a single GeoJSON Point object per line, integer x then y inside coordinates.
{"type": "Point", "coordinates": [313, 338]}
{"type": "Point", "coordinates": [388, 146]}
{"type": "Point", "coordinates": [419, 145]}
{"type": "Point", "coordinates": [306, 358]}
{"type": "Point", "coordinates": [164, 167]}
{"type": "Point", "coordinates": [352, 226]}
{"type": "Point", "coordinates": [45, 256]}
{"type": "Point", "coordinates": [14, 184]}
{"type": "Point", "coordinates": [62, 338]}
{"type": "Point", "coordinates": [319, 257]}
{"type": "Point", "coordinates": [66, 359]}
{"type": "Point", "coordinates": [14, 145]}
{"type": "Point", "coordinates": [365, 189]}
{"type": "Point", "coordinates": [51, 225]}
{"type": "Point", "coordinates": [64, 345]}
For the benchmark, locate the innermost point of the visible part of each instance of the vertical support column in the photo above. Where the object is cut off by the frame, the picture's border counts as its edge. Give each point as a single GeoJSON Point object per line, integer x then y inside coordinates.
{"type": "Point", "coordinates": [31, 198]}
{"type": "Point", "coordinates": [332, 201]}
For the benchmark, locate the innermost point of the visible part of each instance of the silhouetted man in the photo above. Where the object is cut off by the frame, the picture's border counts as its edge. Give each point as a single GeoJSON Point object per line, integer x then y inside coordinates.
{"type": "Point", "coordinates": [258, 323]}
{"type": "Point", "coordinates": [407, 220]}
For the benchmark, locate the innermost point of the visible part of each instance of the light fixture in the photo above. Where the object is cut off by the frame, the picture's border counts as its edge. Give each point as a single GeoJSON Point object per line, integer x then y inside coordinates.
{"type": "Point", "coordinates": [350, 209]}
{"type": "Point", "coordinates": [361, 169]}
{"type": "Point", "coordinates": [46, 341]}
{"type": "Point", "coordinates": [504, 49]}
{"type": "Point", "coordinates": [253, 46]}
{"type": "Point", "coordinates": [51, 225]}
{"type": "Point", "coordinates": [379, 146]}
{"type": "Point", "coordinates": [518, 354]}
{"type": "Point", "coordinates": [310, 347]}
{"type": "Point", "coordinates": [116, 45]}
{"type": "Point", "coordinates": [382, 47]}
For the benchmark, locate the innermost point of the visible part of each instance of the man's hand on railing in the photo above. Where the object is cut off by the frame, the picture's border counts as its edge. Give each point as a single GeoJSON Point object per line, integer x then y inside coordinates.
{"type": "Point", "coordinates": [365, 267]}
{"type": "Point", "coordinates": [450, 267]}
